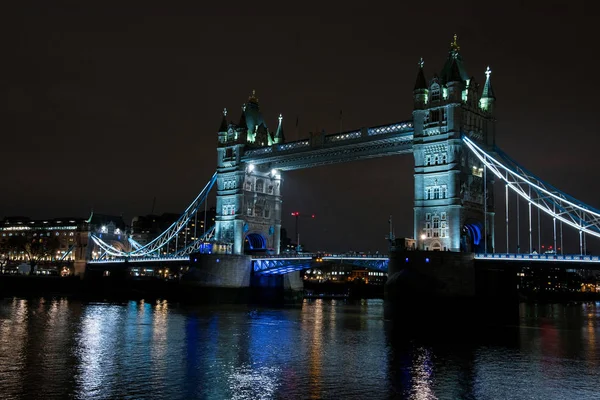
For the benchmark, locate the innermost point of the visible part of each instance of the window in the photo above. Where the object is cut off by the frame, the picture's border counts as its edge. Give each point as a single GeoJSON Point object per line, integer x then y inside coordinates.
{"type": "Point", "coordinates": [434, 116]}
{"type": "Point", "coordinates": [435, 159]}
{"type": "Point", "coordinates": [267, 212]}
{"type": "Point", "coordinates": [435, 93]}
{"type": "Point", "coordinates": [428, 217]}
{"type": "Point", "coordinates": [444, 158]}
{"type": "Point", "coordinates": [427, 159]}
{"type": "Point", "coordinates": [260, 185]}
{"type": "Point", "coordinates": [229, 209]}
{"type": "Point", "coordinates": [443, 216]}
{"type": "Point", "coordinates": [436, 192]}
{"type": "Point", "coordinates": [436, 226]}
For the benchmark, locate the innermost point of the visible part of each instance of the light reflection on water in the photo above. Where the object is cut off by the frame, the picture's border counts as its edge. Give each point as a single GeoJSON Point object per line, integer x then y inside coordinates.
{"type": "Point", "coordinates": [328, 349]}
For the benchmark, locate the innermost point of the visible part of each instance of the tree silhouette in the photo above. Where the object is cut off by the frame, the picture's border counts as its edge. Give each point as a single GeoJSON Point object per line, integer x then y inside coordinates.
{"type": "Point", "coordinates": [34, 248]}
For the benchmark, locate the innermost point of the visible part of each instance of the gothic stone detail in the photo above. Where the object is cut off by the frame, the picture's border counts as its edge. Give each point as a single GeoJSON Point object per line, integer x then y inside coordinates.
{"type": "Point", "coordinates": [449, 206]}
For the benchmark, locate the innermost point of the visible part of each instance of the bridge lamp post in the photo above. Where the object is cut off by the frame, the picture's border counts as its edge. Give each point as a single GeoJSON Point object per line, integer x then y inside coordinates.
{"type": "Point", "coordinates": [423, 237]}
{"type": "Point", "coordinates": [297, 215]}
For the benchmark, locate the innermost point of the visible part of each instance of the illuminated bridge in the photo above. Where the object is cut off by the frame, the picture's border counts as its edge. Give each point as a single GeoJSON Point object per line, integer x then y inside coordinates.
{"type": "Point", "coordinates": [462, 182]}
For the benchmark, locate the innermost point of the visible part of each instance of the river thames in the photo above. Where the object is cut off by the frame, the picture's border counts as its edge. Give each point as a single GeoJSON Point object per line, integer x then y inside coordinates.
{"type": "Point", "coordinates": [326, 349]}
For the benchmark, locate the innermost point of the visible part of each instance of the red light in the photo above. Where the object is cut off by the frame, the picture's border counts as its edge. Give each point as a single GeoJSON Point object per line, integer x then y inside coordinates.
{"type": "Point", "coordinates": [295, 213]}
{"type": "Point", "coordinates": [313, 215]}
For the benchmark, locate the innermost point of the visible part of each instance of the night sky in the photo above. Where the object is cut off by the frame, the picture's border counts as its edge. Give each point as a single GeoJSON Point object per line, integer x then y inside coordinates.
{"type": "Point", "coordinates": [109, 106]}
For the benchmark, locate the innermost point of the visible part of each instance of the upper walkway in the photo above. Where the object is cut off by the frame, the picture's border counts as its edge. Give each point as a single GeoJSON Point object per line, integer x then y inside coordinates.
{"type": "Point", "coordinates": [321, 149]}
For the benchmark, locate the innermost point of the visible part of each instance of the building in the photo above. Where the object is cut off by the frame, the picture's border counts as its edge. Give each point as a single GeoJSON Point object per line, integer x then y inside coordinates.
{"type": "Point", "coordinates": [72, 246]}
{"type": "Point", "coordinates": [449, 208]}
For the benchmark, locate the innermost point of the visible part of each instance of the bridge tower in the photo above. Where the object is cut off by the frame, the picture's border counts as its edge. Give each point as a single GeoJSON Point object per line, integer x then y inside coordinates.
{"type": "Point", "coordinates": [449, 209]}
{"type": "Point", "coordinates": [248, 196]}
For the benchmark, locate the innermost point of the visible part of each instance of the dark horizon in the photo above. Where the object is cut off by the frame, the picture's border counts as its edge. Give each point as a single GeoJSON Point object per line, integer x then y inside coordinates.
{"type": "Point", "coordinates": [108, 108]}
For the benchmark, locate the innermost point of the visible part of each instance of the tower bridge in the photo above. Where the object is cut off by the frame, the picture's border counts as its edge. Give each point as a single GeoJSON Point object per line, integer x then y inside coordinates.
{"type": "Point", "coordinates": [457, 166]}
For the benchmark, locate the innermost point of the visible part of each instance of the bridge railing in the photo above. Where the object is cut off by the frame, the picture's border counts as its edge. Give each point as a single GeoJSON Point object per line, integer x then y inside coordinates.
{"type": "Point", "coordinates": [538, 257]}
{"type": "Point", "coordinates": [320, 255]}
{"type": "Point", "coordinates": [140, 260]}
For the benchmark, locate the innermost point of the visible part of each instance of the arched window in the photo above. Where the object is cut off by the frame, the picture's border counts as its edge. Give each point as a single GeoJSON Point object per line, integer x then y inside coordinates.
{"type": "Point", "coordinates": [436, 193]}
{"type": "Point", "coordinates": [435, 92]}
{"type": "Point", "coordinates": [260, 185]}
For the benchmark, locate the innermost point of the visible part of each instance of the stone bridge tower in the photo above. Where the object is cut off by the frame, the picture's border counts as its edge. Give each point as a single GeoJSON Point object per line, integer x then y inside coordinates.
{"type": "Point", "coordinates": [248, 196]}
{"type": "Point", "coordinates": [449, 209]}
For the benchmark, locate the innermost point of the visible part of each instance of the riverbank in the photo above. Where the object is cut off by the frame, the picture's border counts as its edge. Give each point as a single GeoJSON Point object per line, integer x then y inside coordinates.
{"type": "Point", "coordinates": [178, 291]}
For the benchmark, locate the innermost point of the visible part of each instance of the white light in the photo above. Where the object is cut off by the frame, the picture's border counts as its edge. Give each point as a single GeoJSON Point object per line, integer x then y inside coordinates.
{"type": "Point", "coordinates": [273, 172]}
{"type": "Point", "coordinates": [250, 167]}
{"type": "Point", "coordinates": [423, 237]}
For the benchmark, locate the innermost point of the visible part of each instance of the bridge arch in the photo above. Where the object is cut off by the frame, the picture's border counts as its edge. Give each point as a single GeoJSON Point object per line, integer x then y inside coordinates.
{"type": "Point", "coordinates": [255, 242]}
{"type": "Point", "coordinates": [472, 237]}
{"type": "Point", "coordinates": [436, 246]}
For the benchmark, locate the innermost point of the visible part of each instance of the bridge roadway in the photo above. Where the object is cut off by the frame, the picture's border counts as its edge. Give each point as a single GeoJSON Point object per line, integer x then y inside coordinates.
{"type": "Point", "coordinates": [283, 264]}
{"type": "Point", "coordinates": [272, 265]}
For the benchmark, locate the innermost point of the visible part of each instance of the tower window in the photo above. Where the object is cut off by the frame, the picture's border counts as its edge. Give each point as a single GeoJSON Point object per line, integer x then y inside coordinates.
{"type": "Point", "coordinates": [260, 185]}
{"type": "Point", "coordinates": [435, 93]}
{"type": "Point", "coordinates": [434, 116]}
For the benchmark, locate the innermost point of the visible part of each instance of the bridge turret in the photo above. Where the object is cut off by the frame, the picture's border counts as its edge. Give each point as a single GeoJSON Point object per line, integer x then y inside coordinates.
{"type": "Point", "coordinates": [420, 91]}
{"type": "Point", "coordinates": [487, 97]}
{"type": "Point", "coordinates": [279, 136]}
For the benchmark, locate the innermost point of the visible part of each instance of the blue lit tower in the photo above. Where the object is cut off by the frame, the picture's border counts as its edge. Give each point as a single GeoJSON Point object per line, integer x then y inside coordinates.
{"type": "Point", "coordinates": [248, 196]}
{"type": "Point", "coordinates": [449, 182]}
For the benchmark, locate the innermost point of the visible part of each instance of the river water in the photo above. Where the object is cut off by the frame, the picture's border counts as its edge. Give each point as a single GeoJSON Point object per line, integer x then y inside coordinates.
{"type": "Point", "coordinates": [327, 349]}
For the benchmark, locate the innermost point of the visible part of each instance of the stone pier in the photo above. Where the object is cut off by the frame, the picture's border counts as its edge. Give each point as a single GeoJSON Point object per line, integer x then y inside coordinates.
{"type": "Point", "coordinates": [445, 285]}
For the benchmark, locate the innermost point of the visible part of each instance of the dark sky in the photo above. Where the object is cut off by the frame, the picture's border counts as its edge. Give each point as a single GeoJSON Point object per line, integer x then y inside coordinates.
{"type": "Point", "coordinates": [108, 105]}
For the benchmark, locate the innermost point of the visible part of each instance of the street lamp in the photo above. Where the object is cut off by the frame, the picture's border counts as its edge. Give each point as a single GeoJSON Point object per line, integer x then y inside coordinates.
{"type": "Point", "coordinates": [423, 237]}
{"type": "Point", "coordinates": [297, 215]}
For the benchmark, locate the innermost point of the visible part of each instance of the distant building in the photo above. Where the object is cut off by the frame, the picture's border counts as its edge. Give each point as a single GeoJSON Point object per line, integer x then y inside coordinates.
{"type": "Point", "coordinates": [72, 234]}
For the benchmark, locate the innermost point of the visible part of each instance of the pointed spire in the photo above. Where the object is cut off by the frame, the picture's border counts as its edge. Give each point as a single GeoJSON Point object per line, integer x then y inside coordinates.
{"type": "Point", "coordinates": [224, 124]}
{"type": "Point", "coordinates": [420, 83]}
{"type": "Point", "coordinates": [279, 136]}
{"type": "Point", "coordinates": [488, 92]}
{"type": "Point", "coordinates": [243, 124]}
{"type": "Point", "coordinates": [454, 75]}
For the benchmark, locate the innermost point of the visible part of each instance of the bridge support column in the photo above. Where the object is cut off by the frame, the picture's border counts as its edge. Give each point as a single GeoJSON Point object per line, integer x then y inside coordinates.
{"type": "Point", "coordinates": [434, 286]}
{"type": "Point", "coordinates": [217, 278]}
{"type": "Point", "coordinates": [285, 289]}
